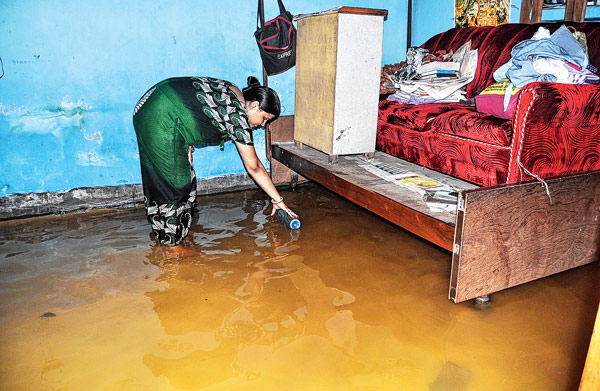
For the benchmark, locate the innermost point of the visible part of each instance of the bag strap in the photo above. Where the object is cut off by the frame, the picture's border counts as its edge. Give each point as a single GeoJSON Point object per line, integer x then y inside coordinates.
{"type": "Point", "coordinates": [260, 14]}
{"type": "Point", "coordinates": [282, 9]}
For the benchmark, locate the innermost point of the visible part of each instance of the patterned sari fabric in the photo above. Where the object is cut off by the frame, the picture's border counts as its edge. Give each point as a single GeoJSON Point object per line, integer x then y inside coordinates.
{"type": "Point", "coordinates": [171, 116]}
{"type": "Point", "coordinates": [171, 221]}
{"type": "Point", "coordinates": [555, 129]}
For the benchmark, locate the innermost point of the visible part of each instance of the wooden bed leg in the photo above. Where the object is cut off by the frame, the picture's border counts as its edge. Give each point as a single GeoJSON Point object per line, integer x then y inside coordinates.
{"type": "Point", "coordinates": [332, 159]}
{"type": "Point", "coordinates": [298, 144]}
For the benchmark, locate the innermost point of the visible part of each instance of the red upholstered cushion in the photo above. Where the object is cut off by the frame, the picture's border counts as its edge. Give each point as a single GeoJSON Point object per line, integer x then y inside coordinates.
{"type": "Point", "coordinates": [557, 130]}
{"type": "Point", "coordinates": [415, 117]}
{"type": "Point", "coordinates": [469, 123]}
{"type": "Point", "coordinates": [474, 161]}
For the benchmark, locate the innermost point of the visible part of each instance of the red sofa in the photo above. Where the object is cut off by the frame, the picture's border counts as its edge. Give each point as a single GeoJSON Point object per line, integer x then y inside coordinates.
{"type": "Point", "coordinates": [555, 129]}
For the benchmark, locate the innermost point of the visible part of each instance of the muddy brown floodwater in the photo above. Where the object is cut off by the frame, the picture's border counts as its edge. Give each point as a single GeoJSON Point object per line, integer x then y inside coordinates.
{"type": "Point", "coordinates": [349, 302]}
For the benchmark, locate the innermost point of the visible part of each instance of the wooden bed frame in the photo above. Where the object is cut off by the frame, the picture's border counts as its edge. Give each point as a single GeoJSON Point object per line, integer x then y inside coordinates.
{"type": "Point", "coordinates": [500, 236]}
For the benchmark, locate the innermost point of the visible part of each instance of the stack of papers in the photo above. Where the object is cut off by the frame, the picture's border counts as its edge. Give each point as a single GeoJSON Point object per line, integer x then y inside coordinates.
{"type": "Point", "coordinates": [440, 81]}
{"type": "Point", "coordinates": [438, 66]}
{"type": "Point", "coordinates": [437, 195]}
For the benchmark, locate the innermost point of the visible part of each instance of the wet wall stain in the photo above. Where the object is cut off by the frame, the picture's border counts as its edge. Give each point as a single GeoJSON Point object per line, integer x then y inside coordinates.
{"type": "Point", "coordinates": [60, 147]}
{"type": "Point", "coordinates": [53, 120]}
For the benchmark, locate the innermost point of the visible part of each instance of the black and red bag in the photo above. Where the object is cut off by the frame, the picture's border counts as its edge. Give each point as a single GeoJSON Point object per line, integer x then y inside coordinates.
{"type": "Point", "coordinates": [276, 40]}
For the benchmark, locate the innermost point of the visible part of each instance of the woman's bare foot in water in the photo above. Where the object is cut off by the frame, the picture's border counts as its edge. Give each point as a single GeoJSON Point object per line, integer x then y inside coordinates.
{"type": "Point", "coordinates": [181, 251]}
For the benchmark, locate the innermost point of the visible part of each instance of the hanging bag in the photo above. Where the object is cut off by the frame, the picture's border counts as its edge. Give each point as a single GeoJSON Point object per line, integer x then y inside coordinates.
{"type": "Point", "coordinates": [276, 40]}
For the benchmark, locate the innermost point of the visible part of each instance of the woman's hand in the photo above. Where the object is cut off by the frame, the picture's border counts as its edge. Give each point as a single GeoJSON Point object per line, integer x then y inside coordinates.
{"type": "Point", "coordinates": [281, 205]}
{"type": "Point", "coordinates": [257, 171]}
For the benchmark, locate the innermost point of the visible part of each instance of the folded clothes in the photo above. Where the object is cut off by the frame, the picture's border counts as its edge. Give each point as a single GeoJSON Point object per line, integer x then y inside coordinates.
{"type": "Point", "coordinates": [542, 58]}
{"type": "Point", "coordinates": [565, 72]}
{"type": "Point", "coordinates": [559, 46]}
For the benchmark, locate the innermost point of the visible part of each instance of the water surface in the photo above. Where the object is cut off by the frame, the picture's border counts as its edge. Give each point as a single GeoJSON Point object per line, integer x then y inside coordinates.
{"type": "Point", "coordinates": [348, 302]}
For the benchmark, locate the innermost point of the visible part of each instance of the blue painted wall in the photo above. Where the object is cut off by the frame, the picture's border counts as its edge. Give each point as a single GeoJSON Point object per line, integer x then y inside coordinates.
{"type": "Point", "coordinates": [74, 70]}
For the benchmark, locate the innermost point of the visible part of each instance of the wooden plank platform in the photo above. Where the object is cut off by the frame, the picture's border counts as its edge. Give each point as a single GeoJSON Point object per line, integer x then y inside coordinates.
{"type": "Point", "coordinates": [500, 236]}
{"type": "Point", "coordinates": [393, 202]}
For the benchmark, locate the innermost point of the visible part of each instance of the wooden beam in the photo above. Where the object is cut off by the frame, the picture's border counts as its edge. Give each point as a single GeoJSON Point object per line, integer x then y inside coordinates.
{"type": "Point", "coordinates": [508, 235]}
{"type": "Point", "coordinates": [575, 10]}
{"type": "Point", "coordinates": [525, 12]}
{"type": "Point", "coordinates": [268, 127]}
{"type": "Point", "coordinates": [363, 11]}
{"type": "Point", "coordinates": [531, 11]}
{"type": "Point", "coordinates": [282, 131]}
{"type": "Point", "coordinates": [536, 12]}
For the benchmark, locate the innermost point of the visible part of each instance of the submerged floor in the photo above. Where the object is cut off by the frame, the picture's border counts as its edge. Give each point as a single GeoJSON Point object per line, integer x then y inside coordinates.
{"type": "Point", "coordinates": [350, 302]}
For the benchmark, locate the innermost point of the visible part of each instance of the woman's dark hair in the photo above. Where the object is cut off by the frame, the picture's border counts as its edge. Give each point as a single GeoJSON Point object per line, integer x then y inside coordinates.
{"type": "Point", "coordinates": [267, 98]}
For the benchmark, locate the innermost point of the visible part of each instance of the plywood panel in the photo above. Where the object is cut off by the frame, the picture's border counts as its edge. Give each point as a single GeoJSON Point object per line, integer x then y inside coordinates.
{"type": "Point", "coordinates": [509, 235]}
{"type": "Point", "coordinates": [315, 81]}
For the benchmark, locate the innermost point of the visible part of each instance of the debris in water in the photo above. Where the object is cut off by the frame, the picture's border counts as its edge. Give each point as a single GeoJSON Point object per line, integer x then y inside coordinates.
{"type": "Point", "coordinates": [49, 315]}
{"type": "Point", "coordinates": [451, 377]}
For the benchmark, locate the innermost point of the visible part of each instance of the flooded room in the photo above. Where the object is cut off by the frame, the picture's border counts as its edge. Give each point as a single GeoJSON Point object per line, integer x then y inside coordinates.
{"type": "Point", "coordinates": [300, 195]}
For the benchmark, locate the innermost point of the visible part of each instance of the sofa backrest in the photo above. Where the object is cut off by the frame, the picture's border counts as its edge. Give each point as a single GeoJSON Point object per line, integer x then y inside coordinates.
{"type": "Point", "coordinates": [494, 45]}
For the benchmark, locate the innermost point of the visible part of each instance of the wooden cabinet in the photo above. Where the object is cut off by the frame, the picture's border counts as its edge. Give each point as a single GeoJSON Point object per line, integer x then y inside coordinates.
{"type": "Point", "coordinates": [338, 67]}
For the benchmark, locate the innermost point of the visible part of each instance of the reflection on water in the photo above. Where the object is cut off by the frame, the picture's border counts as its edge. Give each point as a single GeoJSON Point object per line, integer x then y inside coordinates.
{"type": "Point", "coordinates": [349, 302]}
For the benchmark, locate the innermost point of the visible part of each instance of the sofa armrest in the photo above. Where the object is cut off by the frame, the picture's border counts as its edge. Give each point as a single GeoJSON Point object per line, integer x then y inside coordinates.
{"type": "Point", "coordinates": [556, 131]}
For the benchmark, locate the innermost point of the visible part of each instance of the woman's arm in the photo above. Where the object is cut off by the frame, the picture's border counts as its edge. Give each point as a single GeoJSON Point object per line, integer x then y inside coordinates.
{"type": "Point", "coordinates": [258, 172]}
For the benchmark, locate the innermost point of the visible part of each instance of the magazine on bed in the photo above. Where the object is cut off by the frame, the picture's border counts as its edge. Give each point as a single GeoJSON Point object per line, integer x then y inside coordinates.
{"type": "Point", "coordinates": [437, 195]}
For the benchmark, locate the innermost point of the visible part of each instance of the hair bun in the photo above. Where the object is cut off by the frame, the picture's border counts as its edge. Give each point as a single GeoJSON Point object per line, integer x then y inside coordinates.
{"type": "Point", "coordinates": [252, 82]}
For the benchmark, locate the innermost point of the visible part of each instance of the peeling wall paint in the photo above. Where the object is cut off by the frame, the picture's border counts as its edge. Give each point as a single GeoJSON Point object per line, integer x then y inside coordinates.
{"type": "Point", "coordinates": [73, 77]}
{"type": "Point", "coordinates": [45, 120]}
